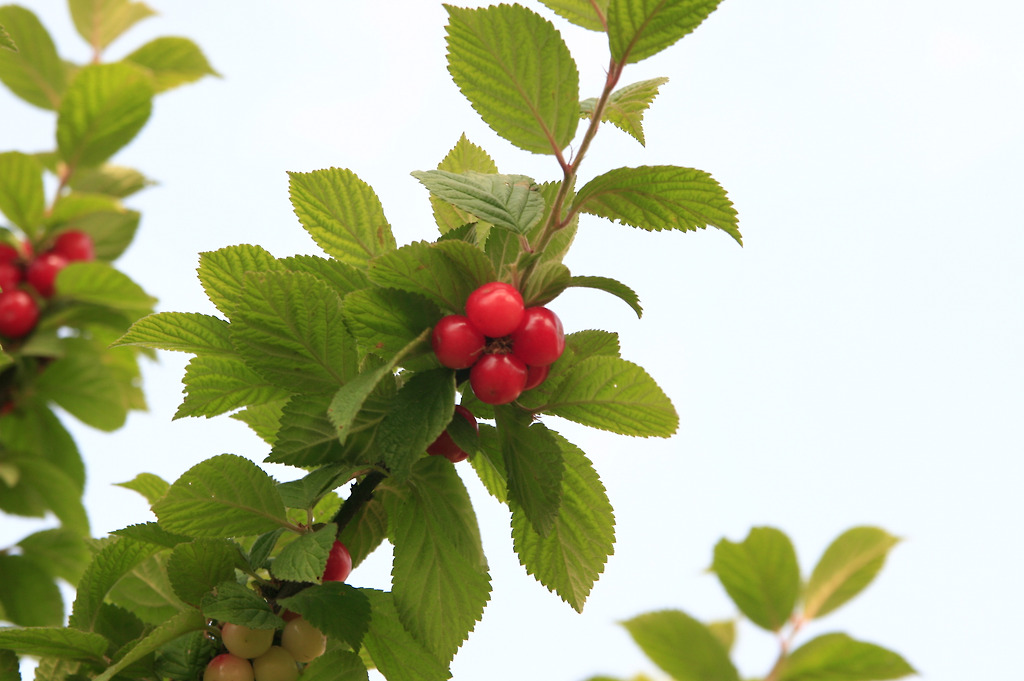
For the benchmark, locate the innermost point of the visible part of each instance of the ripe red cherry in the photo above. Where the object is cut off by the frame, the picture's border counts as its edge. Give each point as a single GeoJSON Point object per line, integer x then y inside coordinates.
{"type": "Point", "coordinates": [18, 313]}
{"type": "Point", "coordinates": [535, 376]}
{"type": "Point", "coordinates": [339, 563]}
{"type": "Point", "coordinates": [456, 342]}
{"type": "Point", "coordinates": [498, 379]}
{"type": "Point", "coordinates": [42, 272]}
{"type": "Point", "coordinates": [445, 446]}
{"type": "Point", "coordinates": [10, 275]}
{"type": "Point", "coordinates": [8, 253]}
{"type": "Point", "coordinates": [539, 339]}
{"type": "Point", "coordinates": [495, 308]}
{"type": "Point", "coordinates": [74, 245]}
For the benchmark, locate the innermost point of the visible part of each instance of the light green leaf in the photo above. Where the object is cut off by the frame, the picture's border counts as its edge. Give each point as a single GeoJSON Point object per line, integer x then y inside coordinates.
{"type": "Point", "coordinates": [386, 322]}
{"type": "Point", "coordinates": [439, 576]}
{"type": "Point", "coordinates": [61, 552]}
{"type": "Point", "coordinates": [232, 602]}
{"type": "Point", "coordinates": [432, 270]}
{"type": "Point", "coordinates": [35, 71]}
{"type": "Point", "coordinates": [848, 565]}
{"type": "Point", "coordinates": [196, 567]}
{"type": "Point", "coordinates": [219, 384]}
{"type": "Point", "coordinates": [586, 13]}
{"type": "Point", "coordinates": [199, 334]}
{"type": "Point", "coordinates": [626, 106]}
{"type": "Point", "coordinates": [172, 62]}
{"type": "Point", "coordinates": [21, 190]}
{"type": "Point", "coordinates": [616, 288]}
{"type": "Point", "coordinates": [683, 647]}
{"type": "Point", "coordinates": [761, 575]}
{"type": "Point", "coordinates": [343, 277]}
{"type": "Point", "coordinates": [304, 559]}
{"type": "Point", "coordinates": [102, 217]}
{"type": "Point", "coordinates": [306, 436]}
{"type": "Point", "coordinates": [514, 68]}
{"type": "Point", "coordinates": [146, 592]}
{"type": "Point", "coordinates": [264, 419]}
{"type": "Point", "coordinates": [109, 179]}
{"type": "Point", "coordinates": [395, 652]}
{"type": "Point", "coordinates": [175, 627]}
{"type": "Point", "coordinates": [37, 429]}
{"type": "Point", "coordinates": [508, 201]}
{"type": "Point", "coordinates": [837, 657]}
{"type": "Point", "coordinates": [638, 29]}
{"type": "Point", "coordinates": [152, 533]}
{"type": "Point", "coordinates": [340, 611]}
{"type": "Point", "coordinates": [660, 197]}
{"type": "Point", "coordinates": [103, 109]}
{"type": "Point", "coordinates": [68, 644]}
{"type": "Point", "coordinates": [85, 382]}
{"type": "Point", "coordinates": [464, 156]}
{"type": "Point", "coordinates": [117, 557]}
{"type": "Point", "coordinates": [336, 665]}
{"type": "Point", "coordinates": [57, 490]}
{"type": "Point", "coordinates": [570, 558]}
{"type": "Point", "coordinates": [7, 43]}
{"type": "Point", "coordinates": [222, 272]}
{"type": "Point", "coordinates": [100, 22]}
{"type": "Point", "coordinates": [535, 466]}
{"type": "Point", "coordinates": [724, 631]}
{"type": "Point", "coordinates": [342, 214]}
{"type": "Point", "coordinates": [100, 284]}
{"type": "Point", "coordinates": [29, 596]}
{"type": "Point", "coordinates": [546, 283]}
{"type": "Point", "coordinates": [224, 496]}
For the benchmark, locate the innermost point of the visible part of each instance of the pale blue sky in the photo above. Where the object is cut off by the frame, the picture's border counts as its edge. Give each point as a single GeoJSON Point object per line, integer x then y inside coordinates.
{"type": "Point", "coordinates": [857, 362]}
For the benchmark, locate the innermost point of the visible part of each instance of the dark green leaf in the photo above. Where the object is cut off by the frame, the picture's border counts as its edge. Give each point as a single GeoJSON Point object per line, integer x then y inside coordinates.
{"type": "Point", "coordinates": [232, 602]}
{"type": "Point", "coordinates": [175, 627]}
{"type": "Point", "coordinates": [172, 62]}
{"type": "Point", "coordinates": [185, 657]}
{"type": "Point", "coordinates": [626, 106]}
{"type": "Point", "coordinates": [761, 575]}
{"type": "Point", "coordinates": [535, 465]}
{"type": "Point", "coordinates": [29, 596]}
{"type": "Point", "coordinates": [152, 533]}
{"type": "Point", "coordinates": [489, 463]}
{"type": "Point", "coordinates": [638, 29]}
{"type": "Point", "coordinates": [194, 568]}
{"type": "Point", "coordinates": [21, 190]}
{"type": "Point", "coordinates": [387, 321]}
{"type": "Point", "coordinates": [365, 531]}
{"type": "Point", "coordinates": [262, 547]}
{"type": "Point", "coordinates": [35, 72]}
{"type": "Point", "coordinates": [397, 654]}
{"type": "Point", "coordinates": [100, 22]}
{"type": "Point", "coordinates": [70, 644]}
{"type": "Point", "coordinates": [508, 201]}
{"type": "Point", "coordinates": [338, 610]}
{"type": "Point", "coordinates": [304, 559]}
{"type": "Point", "coordinates": [683, 647]}
{"type": "Point", "coordinates": [420, 412]}
{"type": "Point", "coordinates": [336, 665]}
{"type": "Point", "coordinates": [616, 288]}
{"type": "Point", "coordinates": [837, 657]}
{"type": "Point", "coordinates": [429, 270]}
{"type": "Point", "coordinates": [848, 565]}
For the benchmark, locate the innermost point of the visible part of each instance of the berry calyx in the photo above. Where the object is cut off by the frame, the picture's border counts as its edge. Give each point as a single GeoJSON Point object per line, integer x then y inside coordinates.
{"type": "Point", "coordinates": [74, 245]}
{"type": "Point", "coordinates": [498, 379]}
{"type": "Point", "coordinates": [339, 563]}
{"type": "Point", "coordinates": [245, 642]}
{"type": "Point", "coordinates": [539, 339]}
{"type": "Point", "coordinates": [535, 376]}
{"type": "Point", "coordinates": [456, 342]}
{"type": "Point", "coordinates": [495, 309]}
{"type": "Point", "coordinates": [445, 446]}
{"type": "Point", "coordinates": [18, 313]}
{"type": "Point", "coordinates": [277, 664]}
{"type": "Point", "coordinates": [228, 667]}
{"type": "Point", "coordinates": [304, 641]}
{"type": "Point", "coordinates": [42, 272]}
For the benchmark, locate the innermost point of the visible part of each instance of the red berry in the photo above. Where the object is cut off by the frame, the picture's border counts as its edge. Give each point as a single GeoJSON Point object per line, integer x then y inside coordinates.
{"type": "Point", "coordinates": [10, 276]}
{"type": "Point", "coordinates": [539, 339]}
{"type": "Point", "coordinates": [535, 376]}
{"type": "Point", "coordinates": [74, 245]}
{"type": "Point", "coordinates": [8, 253]}
{"type": "Point", "coordinates": [456, 342]}
{"type": "Point", "coordinates": [495, 308]}
{"type": "Point", "coordinates": [339, 563]}
{"type": "Point", "coordinates": [18, 313]}
{"type": "Point", "coordinates": [42, 272]}
{"type": "Point", "coordinates": [445, 446]}
{"type": "Point", "coordinates": [498, 379]}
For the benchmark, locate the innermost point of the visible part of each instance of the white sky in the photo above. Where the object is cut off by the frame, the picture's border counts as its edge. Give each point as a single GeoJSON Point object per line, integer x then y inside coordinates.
{"type": "Point", "coordinates": [857, 362]}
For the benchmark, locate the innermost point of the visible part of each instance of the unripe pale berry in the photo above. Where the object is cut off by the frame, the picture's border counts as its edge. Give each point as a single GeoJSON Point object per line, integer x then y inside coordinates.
{"type": "Point", "coordinates": [246, 642]}
{"type": "Point", "coordinates": [304, 641]}
{"type": "Point", "coordinates": [277, 664]}
{"type": "Point", "coordinates": [228, 667]}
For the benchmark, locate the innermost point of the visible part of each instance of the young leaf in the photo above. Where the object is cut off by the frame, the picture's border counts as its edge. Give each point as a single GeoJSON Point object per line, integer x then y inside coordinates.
{"type": "Point", "coordinates": [100, 22]}
{"type": "Point", "coordinates": [837, 657]}
{"type": "Point", "coordinates": [616, 288]}
{"type": "Point", "coordinates": [440, 580]}
{"type": "Point", "coordinates": [109, 179]}
{"type": "Point", "coordinates": [199, 334]}
{"type": "Point", "coordinates": [222, 272]}
{"type": "Point", "coordinates": [638, 29]}
{"type": "Point", "coordinates": [397, 654]}
{"type": "Point", "coordinates": [848, 565]}
{"type": "Point", "coordinates": [683, 647]}
{"type": "Point", "coordinates": [336, 665]}
{"type": "Point", "coordinates": [30, 597]}
{"type": "Point", "coordinates": [464, 156]}
{"type": "Point", "coordinates": [68, 644]}
{"type": "Point", "coordinates": [219, 384]}
{"type": "Point", "coordinates": [660, 197]}
{"type": "Point", "coordinates": [342, 214]}
{"type": "Point", "coordinates": [21, 190]}
{"type": "Point", "coordinates": [195, 567]}
{"type": "Point", "coordinates": [224, 496]}
{"type": "Point", "coordinates": [514, 68]}
{"type": "Point", "coordinates": [428, 270]}
{"type": "Point", "coordinates": [169, 630]}
{"type": "Point", "coordinates": [100, 284]}
{"type": "Point", "coordinates": [103, 109]}
{"type": "Point", "coordinates": [35, 71]}
{"type": "Point", "coordinates": [420, 412]}
{"type": "Point", "coordinates": [507, 201]}
{"type": "Point", "coordinates": [232, 602]}
{"type": "Point", "coordinates": [172, 62]}
{"type": "Point", "coordinates": [304, 559]}
{"type": "Point", "coordinates": [116, 558]}
{"type": "Point", "coordinates": [387, 321]}
{"type": "Point", "coordinates": [570, 558]}
{"type": "Point", "coordinates": [338, 610]}
{"type": "Point", "coordinates": [761, 575]}
{"type": "Point", "coordinates": [586, 13]}
{"type": "Point", "coordinates": [535, 465]}
{"type": "Point", "coordinates": [626, 106]}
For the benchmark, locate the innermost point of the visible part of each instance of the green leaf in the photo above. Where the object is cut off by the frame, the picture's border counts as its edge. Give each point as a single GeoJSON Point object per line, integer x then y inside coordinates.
{"type": "Point", "coordinates": [152, 533]}
{"type": "Point", "coordinates": [21, 190]}
{"type": "Point", "coordinates": [304, 559]}
{"type": "Point", "coordinates": [306, 436]}
{"type": "Point", "coordinates": [39, 430]}
{"type": "Point", "coordinates": [264, 418]}
{"type": "Point", "coordinates": [508, 201]}
{"type": "Point", "coordinates": [117, 557]}
{"type": "Point", "coordinates": [222, 272]}
{"type": "Point", "coordinates": [100, 22]}
{"type": "Point", "coordinates": [112, 180]}
{"type": "Point", "coordinates": [546, 283]}
{"type": "Point", "coordinates": [365, 531]}
{"type": "Point", "coordinates": [199, 334]}
{"type": "Point", "coordinates": [351, 398]}
{"type": "Point", "coordinates": [336, 665]}
{"type": "Point", "coordinates": [288, 327]}
{"type": "Point", "coordinates": [224, 496]}
{"type": "Point", "coordinates": [232, 602]}
{"type": "Point", "coordinates": [8, 44]}
{"type": "Point", "coordinates": [342, 214]}
{"type": "Point", "coordinates": [616, 288]}
{"type": "Point", "coordinates": [386, 322]}
{"type": "Point", "coordinates": [464, 156]}
{"type": "Point", "coordinates": [340, 611]}
{"type": "Point", "coordinates": [433, 271]}
{"type": "Point", "coordinates": [185, 657]}
{"type": "Point", "coordinates": [489, 463]}
{"type": "Point", "coordinates": [35, 71]}
{"type": "Point", "coordinates": [177, 626]}
{"type": "Point", "coordinates": [111, 227]}
{"type": "Point", "coordinates": [194, 568]}
{"type": "Point", "coordinates": [514, 68]}
{"type": "Point", "coordinates": [420, 412]}
{"type": "Point", "coordinates": [343, 277]}
{"type": "Point", "coordinates": [103, 109]}
{"type": "Point", "coordinates": [586, 13]}
{"type": "Point", "coordinates": [837, 657]}
{"type": "Point", "coordinates": [535, 465]}
{"type": "Point", "coordinates": [570, 558]}
{"type": "Point", "coordinates": [86, 383]}
{"type": "Point", "coordinates": [848, 565]}
{"type": "Point", "coordinates": [100, 284]}
{"type": "Point", "coordinates": [683, 647]}
{"type": "Point", "coordinates": [761, 575]}
{"type": "Point", "coordinates": [439, 576]}
{"type": "Point", "coordinates": [397, 654]}
{"type": "Point", "coordinates": [626, 106]}
{"type": "Point", "coordinates": [29, 596]}
{"type": "Point", "coordinates": [638, 29]}
{"type": "Point", "coordinates": [219, 384]}
{"type": "Point", "coordinates": [172, 62]}
{"type": "Point", "coordinates": [69, 644]}
{"type": "Point", "coordinates": [660, 197]}
{"type": "Point", "coordinates": [724, 631]}
{"type": "Point", "coordinates": [59, 551]}
{"type": "Point", "coordinates": [57, 490]}
{"type": "Point", "coordinates": [307, 491]}
{"type": "Point", "coordinates": [147, 592]}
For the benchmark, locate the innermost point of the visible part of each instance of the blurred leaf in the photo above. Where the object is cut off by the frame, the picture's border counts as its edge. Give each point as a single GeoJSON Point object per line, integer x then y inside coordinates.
{"type": "Point", "coordinates": [761, 575]}
{"type": "Point", "coordinates": [848, 565]}
{"type": "Point", "coordinates": [21, 190]}
{"type": "Point", "coordinates": [219, 384]}
{"type": "Point", "coordinates": [35, 72]}
{"type": "Point", "coordinates": [28, 596]}
{"type": "Point", "coordinates": [464, 156]}
{"type": "Point", "coordinates": [420, 412]}
{"type": "Point", "coordinates": [70, 644]}
{"type": "Point", "coordinates": [837, 657]}
{"type": "Point", "coordinates": [109, 179]}
{"type": "Point", "coordinates": [222, 272]}
{"type": "Point", "coordinates": [100, 284]}
{"type": "Point", "coordinates": [8, 44]}
{"type": "Point", "coordinates": [514, 68]}
{"type": "Point", "coordinates": [37, 431]}
{"type": "Point", "coordinates": [626, 106]}
{"type": "Point", "coordinates": [232, 602]}
{"type": "Point", "coordinates": [338, 610]}
{"type": "Point", "coordinates": [60, 552]}
{"type": "Point", "coordinates": [535, 465]}
{"type": "Point", "coordinates": [684, 648]}
{"type": "Point", "coordinates": [724, 631]}
{"type": "Point", "coordinates": [585, 13]}
{"type": "Point", "coordinates": [56, 488]}
{"type": "Point", "coordinates": [195, 567]}
{"type": "Point", "coordinates": [336, 665]}
{"type": "Point", "coordinates": [638, 29]}
{"type": "Point", "coordinates": [85, 383]}
{"type": "Point", "coordinates": [100, 22]}
{"type": "Point", "coordinates": [147, 592]}
{"type": "Point", "coordinates": [117, 557]}
{"type": "Point", "coordinates": [397, 654]}
{"type": "Point", "coordinates": [304, 559]}
{"type": "Point", "coordinates": [507, 201]}
{"type": "Point", "coordinates": [172, 61]}
{"type": "Point", "coordinates": [102, 217]}
{"type": "Point", "coordinates": [616, 288]}
{"type": "Point", "coordinates": [175, 627]}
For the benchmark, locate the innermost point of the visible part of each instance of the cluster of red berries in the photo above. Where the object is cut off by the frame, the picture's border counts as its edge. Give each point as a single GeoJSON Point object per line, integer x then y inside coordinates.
{"type": "Point", "coordinates": [253, 654]}
{"type": "Point", "coordinates": [507, 347]}
{"type": "Point", "coordinates": [19, 309]}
